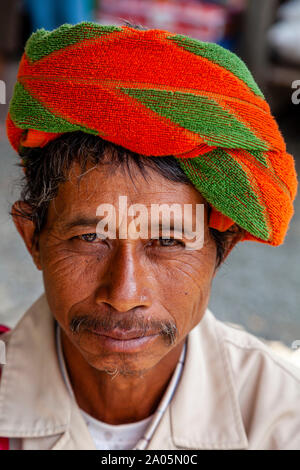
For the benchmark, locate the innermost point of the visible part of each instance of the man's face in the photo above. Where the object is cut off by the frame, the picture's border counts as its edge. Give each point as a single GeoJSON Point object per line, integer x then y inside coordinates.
{"type": "Point", "coordinates": [125, 303]}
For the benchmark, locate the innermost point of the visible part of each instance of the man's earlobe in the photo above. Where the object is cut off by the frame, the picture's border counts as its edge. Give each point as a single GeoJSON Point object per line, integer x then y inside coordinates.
{"type": "Point", "coordinates": [21, 216]}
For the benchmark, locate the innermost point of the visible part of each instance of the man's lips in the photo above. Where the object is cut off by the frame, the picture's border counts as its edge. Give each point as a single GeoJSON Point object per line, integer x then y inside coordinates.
{"type": "Point", "coordinates": [129, 341]}
{"type": "Point", "coordinates": [123, 335]}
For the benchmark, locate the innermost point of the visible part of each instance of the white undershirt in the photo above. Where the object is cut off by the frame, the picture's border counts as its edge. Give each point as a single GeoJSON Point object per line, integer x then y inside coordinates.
{"type": "Point", "coordinates": [115, 436]}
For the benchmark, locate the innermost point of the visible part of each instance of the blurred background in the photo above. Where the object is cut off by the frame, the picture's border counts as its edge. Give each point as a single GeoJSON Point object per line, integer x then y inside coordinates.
{"type": "Point", "coordinates": [258, 287]}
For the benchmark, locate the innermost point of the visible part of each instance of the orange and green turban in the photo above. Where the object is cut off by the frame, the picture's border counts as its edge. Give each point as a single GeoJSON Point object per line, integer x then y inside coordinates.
{"type": "Point", "coordinates": [158, 93]}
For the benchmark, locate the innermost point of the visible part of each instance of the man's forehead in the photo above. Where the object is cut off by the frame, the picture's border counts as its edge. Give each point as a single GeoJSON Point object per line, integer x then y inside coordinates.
{"type": "Point", "coordinates": [80, 202]}
{"type": "Point", "coordinates": [82, 195]}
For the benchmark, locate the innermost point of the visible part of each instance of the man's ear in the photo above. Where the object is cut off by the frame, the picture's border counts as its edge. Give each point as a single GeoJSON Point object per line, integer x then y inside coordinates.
{"type": "Point", "coordinates": [236, 235]}
{"type": "Point", "coordinates": [233, 236]}
{"type": "Point", "coordinates": [26, 229]}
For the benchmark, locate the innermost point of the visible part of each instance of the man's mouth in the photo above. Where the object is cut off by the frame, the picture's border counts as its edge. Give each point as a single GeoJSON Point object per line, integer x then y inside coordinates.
{"type": "Point", "coordinates": [119, 340]}
{"type": "Point", "coordinates": [123, 335]}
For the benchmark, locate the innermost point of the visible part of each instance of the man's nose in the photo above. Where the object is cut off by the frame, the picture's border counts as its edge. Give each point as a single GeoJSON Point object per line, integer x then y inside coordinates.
{"type": "Point", "coordinates": [126, 283]}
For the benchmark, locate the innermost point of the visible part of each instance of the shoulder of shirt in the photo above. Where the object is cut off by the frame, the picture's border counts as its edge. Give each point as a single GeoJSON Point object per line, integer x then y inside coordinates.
{"type": "Point", "coordinates": [239, 341]}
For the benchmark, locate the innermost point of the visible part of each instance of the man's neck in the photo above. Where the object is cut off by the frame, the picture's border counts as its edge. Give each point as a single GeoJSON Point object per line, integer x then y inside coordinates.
{"type": "Point", "coordinates": [117, 399]}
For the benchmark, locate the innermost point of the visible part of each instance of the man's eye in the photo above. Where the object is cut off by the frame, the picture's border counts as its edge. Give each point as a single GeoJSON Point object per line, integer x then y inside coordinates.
{"type": "Point", "coordinates": [169, 242]}
{"type": "Point", "coordinates": [88, 237]}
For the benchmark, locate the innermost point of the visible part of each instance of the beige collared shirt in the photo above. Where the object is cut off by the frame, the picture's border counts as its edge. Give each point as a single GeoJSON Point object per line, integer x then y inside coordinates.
{"type": "Point", "coordinates": [234, 392]}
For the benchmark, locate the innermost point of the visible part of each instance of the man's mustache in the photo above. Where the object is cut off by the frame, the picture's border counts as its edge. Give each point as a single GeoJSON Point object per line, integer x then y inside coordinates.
{"type": "Point", "coordinates": [107, 323]}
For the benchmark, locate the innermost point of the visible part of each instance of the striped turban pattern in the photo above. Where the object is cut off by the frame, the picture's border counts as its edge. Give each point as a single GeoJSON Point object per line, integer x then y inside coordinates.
{"type": "Point", "coordinates": [158, 93]}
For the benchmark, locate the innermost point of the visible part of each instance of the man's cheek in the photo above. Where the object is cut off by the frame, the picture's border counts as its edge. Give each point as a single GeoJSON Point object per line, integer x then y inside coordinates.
{"type": "Point", "coordinates": [71, 277]}
{"type": "Point", "coordinates": [192, 296]}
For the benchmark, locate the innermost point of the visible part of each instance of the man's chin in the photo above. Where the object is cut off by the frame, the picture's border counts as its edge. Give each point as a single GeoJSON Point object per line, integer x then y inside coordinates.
{"type": "Point", "coordinates": [124, 370]}
{"type": "Point", "coordinates": [121, 364]}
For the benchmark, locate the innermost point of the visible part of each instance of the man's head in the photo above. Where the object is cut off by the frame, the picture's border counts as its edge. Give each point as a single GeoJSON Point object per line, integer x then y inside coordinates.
{"type": "Point", "coordinates": [145, 286]}
{"type": "Point", "coordinates": [100, 112]}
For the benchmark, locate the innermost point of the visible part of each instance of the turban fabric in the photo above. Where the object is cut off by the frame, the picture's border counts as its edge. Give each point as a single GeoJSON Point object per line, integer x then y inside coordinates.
{"type": "Point", "coordinates": [158, 93]}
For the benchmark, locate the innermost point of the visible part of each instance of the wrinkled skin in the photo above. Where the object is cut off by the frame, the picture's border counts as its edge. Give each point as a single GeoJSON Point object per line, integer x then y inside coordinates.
{"type": "Point", "coordinates": [121, 280]}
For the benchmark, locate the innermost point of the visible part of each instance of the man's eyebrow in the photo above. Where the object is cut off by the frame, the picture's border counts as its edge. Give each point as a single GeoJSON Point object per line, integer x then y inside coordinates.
{"type": "Point", "coordinates": [83, 221]}
{"type": "Point", "coordinates": [174, 226]}
{"type": "Point", "coordinates": [79, 222]}
{"type": "Point", "coordinates": [163, 226]}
